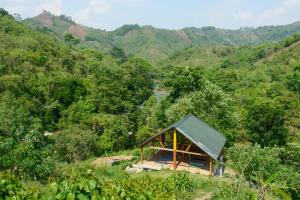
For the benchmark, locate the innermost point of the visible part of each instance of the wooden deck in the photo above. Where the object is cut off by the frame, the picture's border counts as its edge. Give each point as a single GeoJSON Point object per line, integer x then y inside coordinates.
{"type": "Point", "coordinates": [164, 160]}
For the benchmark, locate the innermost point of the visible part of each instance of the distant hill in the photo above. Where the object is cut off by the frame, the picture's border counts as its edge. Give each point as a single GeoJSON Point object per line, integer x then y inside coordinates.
{"type": "Point", "coordinates": [234, 68]}
{"type": "Point", "coordinates": [268, 70]}
{"type": "Point", "coordinates": [155, 43]}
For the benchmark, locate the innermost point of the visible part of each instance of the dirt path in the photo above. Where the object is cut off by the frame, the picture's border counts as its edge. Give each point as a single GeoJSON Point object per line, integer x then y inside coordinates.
{"type": "Point", "coordinates": [206, 196]}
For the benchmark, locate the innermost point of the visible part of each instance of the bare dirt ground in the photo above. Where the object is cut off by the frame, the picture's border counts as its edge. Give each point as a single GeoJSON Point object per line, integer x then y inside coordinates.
{"type": "Point", "coordinates": [110, 160]}
{"type": "Point", "coordinates": [78, 31]}
{"type": "Point", "coordinates": [45, 19]}
{"type": "Point", "coordinates": [206, 196]}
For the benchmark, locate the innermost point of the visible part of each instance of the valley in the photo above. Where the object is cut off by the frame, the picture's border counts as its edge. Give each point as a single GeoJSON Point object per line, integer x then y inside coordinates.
{"type": "Point", "coordinates": [104, 93]}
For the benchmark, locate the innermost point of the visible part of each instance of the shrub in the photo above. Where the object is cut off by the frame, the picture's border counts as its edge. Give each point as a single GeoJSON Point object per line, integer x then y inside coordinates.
{"type": "Point", "coordinates": [86, 185]}
{"type": "Point", "coordinates": [75, 144]}
{"type": "Point", "coordinates": [210, 104]}
{"type": "Point", "coordinates": [264, 168]}
{"type": "Point", "coordinates": [266, 123]}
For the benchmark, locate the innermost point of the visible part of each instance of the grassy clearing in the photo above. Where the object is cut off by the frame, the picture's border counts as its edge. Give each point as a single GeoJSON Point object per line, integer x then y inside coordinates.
{"type": "Point", "coordinates": [83, 178]}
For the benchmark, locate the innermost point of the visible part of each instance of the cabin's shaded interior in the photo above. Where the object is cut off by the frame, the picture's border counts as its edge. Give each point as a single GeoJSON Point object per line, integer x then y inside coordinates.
{"type": "Point", "coordinates": [173, 150]}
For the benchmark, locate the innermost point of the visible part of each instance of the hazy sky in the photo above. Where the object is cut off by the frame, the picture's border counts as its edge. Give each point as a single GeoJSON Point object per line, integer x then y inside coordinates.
{"type": "Point", "coordinates": [172, 14]}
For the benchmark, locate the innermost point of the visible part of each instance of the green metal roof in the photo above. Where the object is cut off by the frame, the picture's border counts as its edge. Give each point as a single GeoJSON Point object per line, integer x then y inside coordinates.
{"type": "Point", "coordinates": [204, 136]}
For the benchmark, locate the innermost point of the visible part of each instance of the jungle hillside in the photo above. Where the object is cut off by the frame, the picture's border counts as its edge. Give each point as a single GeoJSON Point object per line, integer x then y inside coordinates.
{"type": "Point", "coordinates": [70, 94]}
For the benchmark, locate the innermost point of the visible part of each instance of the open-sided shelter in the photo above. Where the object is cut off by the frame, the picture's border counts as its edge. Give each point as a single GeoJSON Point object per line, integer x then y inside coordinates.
{"type": "Point", "coordinates": [188, 143]}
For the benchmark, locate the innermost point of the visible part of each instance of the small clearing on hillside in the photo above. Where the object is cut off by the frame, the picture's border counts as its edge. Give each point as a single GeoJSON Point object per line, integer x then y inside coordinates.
{"type": "Point", "coordinates": [110, 160]}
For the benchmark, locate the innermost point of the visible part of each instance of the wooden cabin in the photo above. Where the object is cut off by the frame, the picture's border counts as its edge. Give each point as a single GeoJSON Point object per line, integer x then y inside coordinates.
{"type": "Point", "coordinates": [189, 144]}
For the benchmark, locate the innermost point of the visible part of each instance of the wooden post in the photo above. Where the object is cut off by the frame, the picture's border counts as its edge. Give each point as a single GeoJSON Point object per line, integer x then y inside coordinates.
{"type": "Point", "coordinates": [163, 140]}
{"type": "Point", "coordinates": [182, 147]}
{"type": "Point", "coordinates": [174, 148]}
{"type": "Point", "coordinates": [210, 166]}
{"type": "Point", "coordinates": [153, 149]}
{"type": "Point", "coordinates": [142, 154]}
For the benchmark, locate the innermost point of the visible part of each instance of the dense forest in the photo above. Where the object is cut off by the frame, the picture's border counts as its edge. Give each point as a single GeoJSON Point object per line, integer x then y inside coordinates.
{"type": "Point", "coordinates": [63, 104]}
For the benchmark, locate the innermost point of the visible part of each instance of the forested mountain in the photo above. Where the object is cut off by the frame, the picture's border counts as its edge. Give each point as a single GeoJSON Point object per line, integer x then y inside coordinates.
{"type": "Point", "coordinates": [63, 103]}
{"type": "Point", "coordinates": [47, 85]}
{"type": "Point", "coordinates": [269, 70]}
{"type": "Point", "coordinates": [155, 43]}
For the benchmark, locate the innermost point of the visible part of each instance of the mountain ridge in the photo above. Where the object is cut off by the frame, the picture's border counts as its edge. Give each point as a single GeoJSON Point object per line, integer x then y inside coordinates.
{"type": "Point", "coordinates": [69, 18]}
{"type": "Point", "coordinates": [157, 43]}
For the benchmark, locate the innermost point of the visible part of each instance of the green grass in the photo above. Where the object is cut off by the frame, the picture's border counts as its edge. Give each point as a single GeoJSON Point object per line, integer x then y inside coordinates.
{"type": "Point", "coordinates": [114, 179]}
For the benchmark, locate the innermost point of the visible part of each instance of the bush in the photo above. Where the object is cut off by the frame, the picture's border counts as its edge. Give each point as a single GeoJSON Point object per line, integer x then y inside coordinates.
{"type": "Point", "coordinates": [211, 105]}
{"type": "Point", "coordinates": [184, 80]}
{"type": "Point", "coordinates": [233, 191]}
{"type": "Point", "coordinates": [3, 12]}
{"type": "Point", "coordinates": [113, 131]}
{"type": "Point", "coordinates": [12, 188]}
{"type": "Point", "coordinates": [291, 40]}
{"type": "Point", "coordinates": [86, 185]}
{"type": "Point", "coordinates": [264, 168]}
{"type": "Point", "coordinates": [143, 134]}
{"type": "Point", "coordinates": [266, 123]}
{"type": "Point", "coordinates": [293, 82]}
{"type": "Point", "coordinates": [75, 144]}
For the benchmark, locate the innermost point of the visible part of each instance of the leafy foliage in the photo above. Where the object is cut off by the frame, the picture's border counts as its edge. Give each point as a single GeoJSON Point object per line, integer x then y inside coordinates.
{"type": "Point", "coordinates": [264, 167]}
{"type": "Point", "coordinates": [88, 186]}
{"type": "Point", "coordinates": [61, 105]}
{"type": "Point", "coordinates": [265, 121]}
{"type": "Point", "coordinates": [78, 95]}
{"type": "Point", "coordinates": [69, 38]}
{"type": "Point", "coordinates": [210, 104]}
{"type": "Point", "coordinates": [184, 80]}
{"type": "Point", "coordinates": [75, 144]}
{"type": "Point", "coordinates": [119, 54]}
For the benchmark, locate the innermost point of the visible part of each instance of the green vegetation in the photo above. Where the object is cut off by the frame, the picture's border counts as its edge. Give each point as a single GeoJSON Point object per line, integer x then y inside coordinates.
{"type": "Point", "coordinates": [69, 38]}
{"type": "Point", "coordinates": [266, 124]}
{"type": "Point", "coordinates": [104, 184]}
{"type": "Point", "coordinates": [49, 86]}
{"type": "Point", "coordinates": [63, 104]}
{"type": "Point", "coordinates": [263, 166]}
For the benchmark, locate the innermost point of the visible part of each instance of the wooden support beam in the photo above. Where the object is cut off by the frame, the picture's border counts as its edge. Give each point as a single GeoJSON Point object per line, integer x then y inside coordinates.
{"type": "Point", "coordinates": [163, 138]}
{"type": "Point", "coordinates": [193, 145]}
{"type": "Point", "coordinates": [210, 166]}
{"type": "Point", "coordinates": [142, 154]}
{"type": "Point", "coordinates": [179, 151]}
{"type": "Point", "coordinates": [162, 144]}
{"type": "Point", "coordinates": [182, 147]}
{"type": "Point", "coordinates": [182, 142]}
{"type": "Point", "coordinates": [188, 148]}
{"type": "Point", "coordinates": [174, 148]}
{"type": "Point", "coordinates": [153, 151]}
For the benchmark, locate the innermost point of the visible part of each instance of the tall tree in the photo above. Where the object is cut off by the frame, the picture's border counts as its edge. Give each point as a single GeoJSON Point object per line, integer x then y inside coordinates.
{"type": "Point", "coordinates": [266, 123]}
{"type": "Point", "coordinates": [119, 54]}
{"type": "Point", "coordinates": [184, 80]}
{"type": "Point", "coordinates": [209, 103]}
{"type": "Point", "coordinates": [70, 39]}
